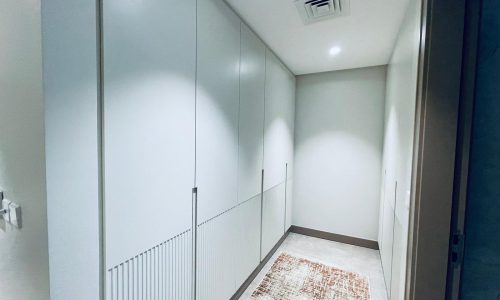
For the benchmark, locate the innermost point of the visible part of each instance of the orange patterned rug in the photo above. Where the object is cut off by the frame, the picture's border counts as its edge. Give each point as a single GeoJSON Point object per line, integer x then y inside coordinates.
{"type": "Point", "coordinates": [295, 278]}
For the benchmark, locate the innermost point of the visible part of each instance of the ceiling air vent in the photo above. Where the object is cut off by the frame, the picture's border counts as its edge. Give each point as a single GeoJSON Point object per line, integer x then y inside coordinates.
{"type": "Point", "coordinates": [318, 10]}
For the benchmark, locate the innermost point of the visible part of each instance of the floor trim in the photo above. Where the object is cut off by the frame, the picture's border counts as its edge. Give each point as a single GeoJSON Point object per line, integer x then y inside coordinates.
{"type": "Point", "coordinates": [335, 237]}
{"type": "Point", "coordinates": [257, 270]}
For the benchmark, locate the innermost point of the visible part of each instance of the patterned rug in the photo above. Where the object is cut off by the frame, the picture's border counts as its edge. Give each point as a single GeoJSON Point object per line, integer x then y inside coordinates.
{"type": "Point", "coordinates": [295, 278]}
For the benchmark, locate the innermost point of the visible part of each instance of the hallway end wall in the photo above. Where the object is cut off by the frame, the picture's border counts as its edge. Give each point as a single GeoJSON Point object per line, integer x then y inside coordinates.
{"type": "Point", "coordinates": [338, 151]}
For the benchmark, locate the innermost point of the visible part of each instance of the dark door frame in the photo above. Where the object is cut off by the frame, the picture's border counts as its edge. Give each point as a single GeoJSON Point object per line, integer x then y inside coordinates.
{"type": "Point", "coordinates": [435, 154]}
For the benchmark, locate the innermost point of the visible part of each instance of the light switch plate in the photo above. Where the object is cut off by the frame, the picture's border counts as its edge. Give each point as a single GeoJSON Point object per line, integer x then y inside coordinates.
{"type": "Point", "coordinates": [15, 214]}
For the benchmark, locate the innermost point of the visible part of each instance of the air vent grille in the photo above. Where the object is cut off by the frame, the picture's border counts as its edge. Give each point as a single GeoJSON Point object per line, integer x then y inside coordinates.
{"type": "Point", "coordinates": [318, 10]}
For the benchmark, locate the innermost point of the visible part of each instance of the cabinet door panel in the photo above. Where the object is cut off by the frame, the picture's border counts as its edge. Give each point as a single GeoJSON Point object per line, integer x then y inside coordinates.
{"type": "Point", "coordinates": [289, 203]}
{"type": "Point", "coordinates": [248, 239]}
{"type": "Point", "coordinates": [251, 121]}
{"type": "Point", "coordinates": [279, 120]}
{"type": "Point", "coordinates": [273, 217]}
{"type": "Point", "coordinates": [149, 118]}
{"type": "Point", "coordinates": [217, 108]}
{"type": "Point", "coordinates": [386, 246]}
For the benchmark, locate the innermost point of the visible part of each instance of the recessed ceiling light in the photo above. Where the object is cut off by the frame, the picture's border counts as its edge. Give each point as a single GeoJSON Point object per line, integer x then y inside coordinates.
{"type": "Point", "coordinates": [335, 50]}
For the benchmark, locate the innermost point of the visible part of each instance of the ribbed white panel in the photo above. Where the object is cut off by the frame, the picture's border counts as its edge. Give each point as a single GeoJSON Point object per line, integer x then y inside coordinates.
{"type": "Point", "coordinates": [162, 272]}
{"type": "Point", "coordinates": [247, 239]}
{"type": "Point", "coordinates": [228, 250]}
{"type": "Point", "coordinates": [288, 203]}
{"type": "Point", "coordinates": [273, 217]}
{"type": "Point", "coordinates": [216, 256]}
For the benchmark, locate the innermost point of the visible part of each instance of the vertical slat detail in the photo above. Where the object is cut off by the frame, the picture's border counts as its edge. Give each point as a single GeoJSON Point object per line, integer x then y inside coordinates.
{"type": "Point", "coordinates": [228, 250]}
{"type": "Point", "coordinates": [161, 272]}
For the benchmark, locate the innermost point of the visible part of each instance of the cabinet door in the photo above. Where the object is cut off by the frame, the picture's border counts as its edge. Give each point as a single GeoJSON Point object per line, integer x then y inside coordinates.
{"type": "Point", "coordinates": [387, 233]}
{"type": "Point", "coordinates": [288, 203]}
{"type": "Point", "coordinates": [278, 150]}
{"type": "Point", "coordinates": [149, 136]}
{"type": "Point", "coordinates": [217, 107]}
{"type": "Point", "coordinates": [251, 147]}
{"type": "Point", "coordinates": [279, 120]}
{"type": "Point", "coordinates": [251, 120]}
{"type": "Point", "coordinates": [273, 217]}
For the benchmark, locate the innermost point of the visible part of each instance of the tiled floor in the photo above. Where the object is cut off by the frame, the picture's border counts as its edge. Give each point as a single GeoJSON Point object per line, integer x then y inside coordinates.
{"type": "Point", "coordinates": [350, 258]}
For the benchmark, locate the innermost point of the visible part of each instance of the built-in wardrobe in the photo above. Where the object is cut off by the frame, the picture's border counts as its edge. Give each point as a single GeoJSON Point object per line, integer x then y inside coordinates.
{"type": "Point", "coordinates": [398, 153]}
{"type": "Point", "coordinates": [169, 146]}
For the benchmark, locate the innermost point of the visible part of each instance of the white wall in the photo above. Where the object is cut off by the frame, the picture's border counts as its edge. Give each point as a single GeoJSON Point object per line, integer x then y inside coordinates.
{"type": "Point", "coordinates": [398, 151]}
{"type": "Point", "coordinates": [338, 151]}
{"type": "Point", "coordinates": [24, 263]}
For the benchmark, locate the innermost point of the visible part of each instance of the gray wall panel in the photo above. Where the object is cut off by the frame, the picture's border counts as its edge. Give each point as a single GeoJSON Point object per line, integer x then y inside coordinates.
{"type": "Point", "coordinates": [72, 148]}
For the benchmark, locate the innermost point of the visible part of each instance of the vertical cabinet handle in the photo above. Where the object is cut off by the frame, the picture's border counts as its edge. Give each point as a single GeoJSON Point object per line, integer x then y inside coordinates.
{"type": "Point", "coordinates": [194, 233]}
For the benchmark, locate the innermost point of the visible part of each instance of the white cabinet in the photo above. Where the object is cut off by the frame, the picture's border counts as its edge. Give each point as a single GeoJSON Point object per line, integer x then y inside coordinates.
{"type": "Point", "coordinates": [149, 123]}
{"type": "Point", "coordinates": [217, 108]}
{"type": "Point", "coordinates": [288, 203]}
{"type": "Point", "coordinates": [247, 239]}
{"type": "Point", "coordinates": [278, 151]}
{"type": "Point", "coordinates": [279, 121]}
{"type": "Point", "coordinates": [250, 157]}
{"type": "Point", "coordinates": [251, 119]}
{"type": "Point", "coordinates": [273, 217]}
{"type": "Point", "coordinates": [387, 237]}
{"type": "Point", "coordinates": [190, 97]}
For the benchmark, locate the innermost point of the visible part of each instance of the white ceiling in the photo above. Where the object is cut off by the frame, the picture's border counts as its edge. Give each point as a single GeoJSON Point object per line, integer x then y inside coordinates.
{"type": "Point", "coordinates": [366, 36]}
